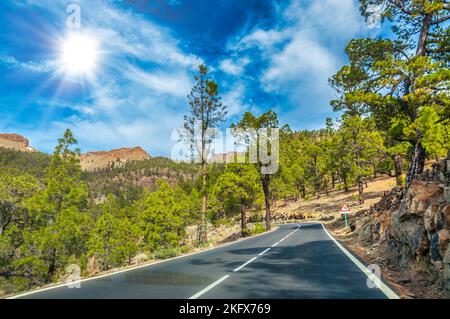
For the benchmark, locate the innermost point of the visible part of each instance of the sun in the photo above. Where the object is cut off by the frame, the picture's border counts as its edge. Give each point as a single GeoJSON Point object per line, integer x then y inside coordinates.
{"type": "Point", "coordinates": [79, 54]}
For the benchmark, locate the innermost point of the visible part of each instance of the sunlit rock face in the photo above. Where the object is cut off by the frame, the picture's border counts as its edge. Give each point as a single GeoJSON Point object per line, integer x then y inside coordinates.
{"type": "Point", "coordinates": [93, 161]}
{"type": "Point", "coordinates": [15, 142]}
{"type": "Point", "coordinates": [412, 226]}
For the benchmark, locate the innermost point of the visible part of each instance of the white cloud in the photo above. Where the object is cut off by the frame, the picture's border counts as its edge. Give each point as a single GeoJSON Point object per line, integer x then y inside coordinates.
{"type": "Point", "coordinates": [175, 83]}
{"type": "Point", "coordinates": [138, 93]}
{"type": "Point", "coordinates": [303, 50]}
{"type": "Point", "coordinates": [234, 66]}
{"type": "Point", "coordinates": [45, 66]}
{"type": "Point", "coordinates": [233, 99]}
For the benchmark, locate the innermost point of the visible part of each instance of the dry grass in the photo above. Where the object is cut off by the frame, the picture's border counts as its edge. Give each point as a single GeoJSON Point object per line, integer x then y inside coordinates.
{"type": "Point", "coordinates": [332, 203]}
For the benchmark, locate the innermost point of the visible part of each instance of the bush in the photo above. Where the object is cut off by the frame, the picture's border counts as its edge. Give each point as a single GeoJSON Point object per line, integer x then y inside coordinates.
{"type": "Point", "coordinates": [165, 253]}
{"type": "Point", "coordinates": [258, 229]}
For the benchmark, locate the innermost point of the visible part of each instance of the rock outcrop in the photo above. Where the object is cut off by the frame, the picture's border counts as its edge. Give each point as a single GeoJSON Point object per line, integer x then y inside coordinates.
{"type": "Point", "coordinates": [15, 142]}
{"type": "Point", "coordinates": [412, 226]}
{"type": "Point", "coordinates": [101, 160]}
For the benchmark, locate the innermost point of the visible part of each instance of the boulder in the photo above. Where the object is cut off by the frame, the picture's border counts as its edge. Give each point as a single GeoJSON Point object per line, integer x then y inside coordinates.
{"type": "Point", "coordinates": [444, 239]}
{"type": "Point", "coordinates": [447, 194]}
{"type": "Point", "coordinates": [430, 221]}
{"type": "Point", "coordinates": [446, 215]}
{"type": "Point", "coordinates": [446, 262]}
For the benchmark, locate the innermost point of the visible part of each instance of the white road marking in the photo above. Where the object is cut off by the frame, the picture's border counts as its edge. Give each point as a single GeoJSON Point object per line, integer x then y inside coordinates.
{"type": "Point", "coordinates": [201, 292]}
{"type": "Point", "coordinates": [275, 244]}
{"type": "Point", "coordinates": [135, 267]}
{"type": "Point", "coordinates": [382, 286]}
{"type": "Point", "coordinates": [265, 251]}
{"type": "Point", "coordinates": [245, 264]}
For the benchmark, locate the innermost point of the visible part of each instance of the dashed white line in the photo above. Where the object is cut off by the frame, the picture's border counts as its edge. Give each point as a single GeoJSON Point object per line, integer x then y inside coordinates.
{"type": "Point", "coordinates": [215, 283]}
{"type": "Point", "coordinates": [245, 264]}
{"type": "Point", "coordinates": [240, 267]}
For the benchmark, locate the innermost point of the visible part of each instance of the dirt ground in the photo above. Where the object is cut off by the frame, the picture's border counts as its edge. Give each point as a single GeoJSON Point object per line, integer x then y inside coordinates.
{"type": "Point", "coordinates": [332, 203]}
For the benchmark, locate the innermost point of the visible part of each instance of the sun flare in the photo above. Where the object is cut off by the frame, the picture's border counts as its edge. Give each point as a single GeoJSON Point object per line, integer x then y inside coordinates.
{"type": "Point", "coordinates": [79, 54]}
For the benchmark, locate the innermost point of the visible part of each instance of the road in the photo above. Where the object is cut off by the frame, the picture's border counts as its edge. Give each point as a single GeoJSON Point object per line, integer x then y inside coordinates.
{"type": "Point", "coordinates": [294, 261]}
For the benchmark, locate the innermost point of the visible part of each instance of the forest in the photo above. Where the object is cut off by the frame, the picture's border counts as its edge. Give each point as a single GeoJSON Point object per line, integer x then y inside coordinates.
{"type": "Point", "coordinates": [392, 116]}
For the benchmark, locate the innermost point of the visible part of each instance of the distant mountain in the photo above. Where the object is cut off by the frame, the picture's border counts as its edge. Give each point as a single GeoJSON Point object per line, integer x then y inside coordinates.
{"type": "Point", "coordinates": [100, 160]}
{"type": "Point", "coordinates": [16, 142]}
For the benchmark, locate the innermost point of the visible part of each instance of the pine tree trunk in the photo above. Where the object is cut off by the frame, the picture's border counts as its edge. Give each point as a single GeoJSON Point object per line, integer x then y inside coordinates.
{"type": "Point", "coordinates": [397, 169]}
{"type": "Point", "coordinates": [419, 155]}
{"type": "Point", "coordinates": [202, 236]}
{"type": "Point", "coordinates": [425, 30]}
{"type": "Point", "coordinates": [52, 266]}
{"type": "Point", "coordinates": [417, 162]}
{"type": "Point", "coordinates": [265, 182]}
{"type": "Point", "coordinates": [344, 179]}
{"type": "Point", "coordinates": [360, 189]}
{"type": "Point", "coordinates": [243, 221]}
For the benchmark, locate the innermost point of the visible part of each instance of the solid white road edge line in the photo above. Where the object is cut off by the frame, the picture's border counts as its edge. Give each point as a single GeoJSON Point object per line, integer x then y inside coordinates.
{"type": "Point", "coordinates": [201, 292]}
{"type": "Point", "coordinates": [136, 267]}
{"type": "Point", "coordinates": [245, 264]}
{"type": "Point", "coordinates": [379, 283]}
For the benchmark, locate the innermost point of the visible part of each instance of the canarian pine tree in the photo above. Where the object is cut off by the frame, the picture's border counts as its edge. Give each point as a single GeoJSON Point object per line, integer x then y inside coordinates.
{"type": "Point", "coordinates": [206, 113]}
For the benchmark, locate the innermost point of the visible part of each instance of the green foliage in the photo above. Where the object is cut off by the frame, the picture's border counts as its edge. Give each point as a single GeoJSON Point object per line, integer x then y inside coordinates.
{"type": "Point", "coordinates": [17, 163]}
{"type": "Point", "coordinates": [237, 186]}
{"type": "Point", "coordinates": [163, 215]}
{"type": "Point", "coordinates": [258, 229]}
{"type": "Point", "coordinates": [403, 83]}
{"type": "Point", "coordinates": [114, 238]}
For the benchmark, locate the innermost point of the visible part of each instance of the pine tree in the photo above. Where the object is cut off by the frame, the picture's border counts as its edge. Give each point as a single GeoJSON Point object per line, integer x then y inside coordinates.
{"type": "Point", "coordinates": [59, 212]}
{"type": "Point", "coordinates": [268, 120]}
{"type": "Point", "coordinates": [206, 112]}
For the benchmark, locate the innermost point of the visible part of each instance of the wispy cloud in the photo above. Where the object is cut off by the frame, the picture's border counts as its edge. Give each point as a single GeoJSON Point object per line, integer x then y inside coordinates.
{"type": "Point", "coordinates": [31, 66]}
{"type": "Point", "coordinates": [301, 51]}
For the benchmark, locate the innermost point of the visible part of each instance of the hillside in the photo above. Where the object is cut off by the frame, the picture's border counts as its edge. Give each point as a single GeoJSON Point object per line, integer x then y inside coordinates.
{"type": "Point", "coordinates": [99, 160]}
{"type": "Point", "coordinates": [16, 142]}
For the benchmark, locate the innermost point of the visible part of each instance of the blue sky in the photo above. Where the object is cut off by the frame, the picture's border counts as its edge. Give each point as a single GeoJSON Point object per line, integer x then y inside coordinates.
{"type": "Point", "coordinates": [264, 54]}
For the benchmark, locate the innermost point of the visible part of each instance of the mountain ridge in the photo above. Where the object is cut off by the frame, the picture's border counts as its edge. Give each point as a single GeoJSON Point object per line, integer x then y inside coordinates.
{"type": "Point", "coordinates": [89, 161]}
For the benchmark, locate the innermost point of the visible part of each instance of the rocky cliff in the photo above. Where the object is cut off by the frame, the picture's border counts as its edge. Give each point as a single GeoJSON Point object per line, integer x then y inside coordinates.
{"type": "Point", "coordinates": [16, 142]}
{"type": "Point", "coordinates": [411, 227]}
{"type": "Point", "coordinates": [93, 161]}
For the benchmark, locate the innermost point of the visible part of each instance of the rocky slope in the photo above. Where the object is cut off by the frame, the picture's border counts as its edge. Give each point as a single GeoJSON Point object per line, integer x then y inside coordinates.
{"type": "Point", "coordinates": [15, 142]}
{"type": "Point", "coordinates": [409, 230]}
{"type": "Point", "coordinates": [93, 161]}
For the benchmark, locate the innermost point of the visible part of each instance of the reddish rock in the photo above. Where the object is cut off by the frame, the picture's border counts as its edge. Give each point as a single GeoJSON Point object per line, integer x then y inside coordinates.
{"type": "Point", "coordinates": [446, 214]}
{"type": "Point", "coordinates": [423, 191]}
{"type": "Point", "coordinates": [107, 159]}
{"type": "Point", "coordinates": [15, 141]}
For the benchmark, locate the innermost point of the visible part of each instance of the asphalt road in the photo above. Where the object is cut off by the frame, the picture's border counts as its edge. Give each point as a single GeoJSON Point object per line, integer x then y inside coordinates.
{"type": "Point", "coordinates": [306, 263]}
